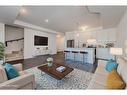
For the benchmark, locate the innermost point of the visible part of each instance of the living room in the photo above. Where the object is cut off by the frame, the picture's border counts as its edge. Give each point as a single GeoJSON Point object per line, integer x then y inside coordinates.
{"type": "Point", "coordinates": [63, 47]}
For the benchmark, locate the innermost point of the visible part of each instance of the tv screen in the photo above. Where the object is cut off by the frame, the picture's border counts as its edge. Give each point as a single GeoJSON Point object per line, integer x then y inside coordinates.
{"type": "Point", "coordinates": [40, 41]}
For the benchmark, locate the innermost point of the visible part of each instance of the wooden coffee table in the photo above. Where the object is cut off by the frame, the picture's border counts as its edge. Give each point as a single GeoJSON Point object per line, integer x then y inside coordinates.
{"type": "Point", "coordinates": [53, 72]}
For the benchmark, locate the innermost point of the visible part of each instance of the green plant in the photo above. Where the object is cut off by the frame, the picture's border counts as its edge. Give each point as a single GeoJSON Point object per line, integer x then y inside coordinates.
{"type": "Point", "coordinates": [1, 51]}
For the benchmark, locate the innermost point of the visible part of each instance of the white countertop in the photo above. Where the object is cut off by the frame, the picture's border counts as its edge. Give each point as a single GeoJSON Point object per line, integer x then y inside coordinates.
{"type": "Point", "coordinates": [90, 55]}
{"type": "Point", "coordinates": [79, 49]}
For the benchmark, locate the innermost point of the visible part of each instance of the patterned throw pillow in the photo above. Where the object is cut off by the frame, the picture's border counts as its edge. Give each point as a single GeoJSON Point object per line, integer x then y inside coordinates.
{"type": "Point", "coordinates": [111, 65]}
{"type": "Point", "coordinates": [11, 71]}
{"type": "Point", "coordinates": [114, 81]}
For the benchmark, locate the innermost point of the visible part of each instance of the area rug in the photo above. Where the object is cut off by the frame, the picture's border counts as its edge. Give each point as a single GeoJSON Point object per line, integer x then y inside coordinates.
{"type": "Point", "coordinates": [77, 79]}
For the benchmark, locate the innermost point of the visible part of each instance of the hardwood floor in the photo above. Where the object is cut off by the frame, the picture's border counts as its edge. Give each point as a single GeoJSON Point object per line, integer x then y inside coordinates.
{"type": "Point", "coordinates": [58, 58]}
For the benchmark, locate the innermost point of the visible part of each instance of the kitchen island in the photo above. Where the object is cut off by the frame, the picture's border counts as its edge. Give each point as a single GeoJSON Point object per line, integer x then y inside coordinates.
{"type": "Point", "coordinates": [89, 57]}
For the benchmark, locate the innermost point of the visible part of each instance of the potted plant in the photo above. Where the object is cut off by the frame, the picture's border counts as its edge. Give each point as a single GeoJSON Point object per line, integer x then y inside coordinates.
{"type": "Point", "coordinates": [1, 53]}
{"type": "Point", "coordinates": [50, 61]}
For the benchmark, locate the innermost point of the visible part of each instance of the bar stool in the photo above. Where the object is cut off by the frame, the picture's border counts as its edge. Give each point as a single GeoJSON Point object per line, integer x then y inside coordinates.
{"type": "Point", "coordinates": [84, 53]}
{"type": "Point", "coordinates": [75, 52]}
{"type": "Point", "coordinates": [65, 53]}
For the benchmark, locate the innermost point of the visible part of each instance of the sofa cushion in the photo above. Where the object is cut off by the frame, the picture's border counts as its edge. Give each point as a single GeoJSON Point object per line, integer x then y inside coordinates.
{"type": "Point", "coordinates": [3, 76]}
{"type": "Point", "coordinates": [95, 85]}
{"type": "Point", "coordinates": [122, 69]}
{"type": "Point", "coordinates": [101, 71]}
{"type": "Point", "coordinates": [111, 65]}
{"type": "Point", "coordinates": [11, 71]}
{"type": "Point", "coordinates": [114, 81]}
{"type": "Point", "coordinates": [100, 78]}
{"type": "Point", "coordinates": [101, 68]}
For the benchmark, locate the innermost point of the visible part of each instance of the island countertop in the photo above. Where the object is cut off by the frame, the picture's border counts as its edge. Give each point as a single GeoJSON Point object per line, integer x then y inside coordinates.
{"type": "Point", "coordinates": [90, 54]}
{"type": "Point", "coordinates": [79, 49]}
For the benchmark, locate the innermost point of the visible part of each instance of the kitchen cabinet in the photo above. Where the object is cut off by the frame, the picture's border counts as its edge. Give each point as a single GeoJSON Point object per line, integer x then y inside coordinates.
{"type": "Point", "coordinates": [103, 53]}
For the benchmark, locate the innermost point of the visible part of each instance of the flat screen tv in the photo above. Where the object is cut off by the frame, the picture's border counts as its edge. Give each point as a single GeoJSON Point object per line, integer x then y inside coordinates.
{"type": "Point", "coordinates": [40, 41]}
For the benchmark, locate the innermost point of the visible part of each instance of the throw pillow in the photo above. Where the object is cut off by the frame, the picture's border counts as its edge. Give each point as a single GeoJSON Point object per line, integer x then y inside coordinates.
{"type": "Point", "coordinates": [114, 81]}
{"type": "Point", "coordinates": [11, 71]}
{"type": "Point", "coordinates": [111, 65]}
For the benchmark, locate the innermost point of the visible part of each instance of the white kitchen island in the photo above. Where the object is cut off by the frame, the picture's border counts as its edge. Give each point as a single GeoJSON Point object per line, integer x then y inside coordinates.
{"type": "Point", "coordinates": [89, 57]}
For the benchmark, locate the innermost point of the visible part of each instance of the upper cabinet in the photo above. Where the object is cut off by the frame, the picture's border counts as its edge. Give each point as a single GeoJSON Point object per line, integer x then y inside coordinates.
{"type": "Point", "coordinates": [112, 35]}
{"type": "Point", "coordinates": [107, 35]}
{"type": "Point", "coordinates": [70, 35]}
{"type": "Point", "coordinates": [102, 36]}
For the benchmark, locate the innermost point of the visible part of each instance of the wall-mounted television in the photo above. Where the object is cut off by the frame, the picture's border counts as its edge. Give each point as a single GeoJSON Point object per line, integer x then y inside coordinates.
{"type": "Point", "coordinates": [40, 41]}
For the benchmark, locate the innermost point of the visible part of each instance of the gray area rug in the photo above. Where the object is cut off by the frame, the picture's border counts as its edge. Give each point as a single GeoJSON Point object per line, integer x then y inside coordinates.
{"type": "Point", "coordinates": [77, 79]}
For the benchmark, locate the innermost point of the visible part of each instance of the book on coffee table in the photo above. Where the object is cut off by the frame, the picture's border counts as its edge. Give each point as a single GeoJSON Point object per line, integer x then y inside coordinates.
{"type": "Point", "coordinates": [61, 69]}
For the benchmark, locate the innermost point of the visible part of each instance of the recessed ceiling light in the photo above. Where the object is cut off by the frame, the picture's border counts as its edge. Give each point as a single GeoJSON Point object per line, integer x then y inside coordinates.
{"type": "Point", "coordinates": [46, 20]}
{"type": "Point", "coordinates": [77, 34]}
{"type": "Point", "coordinates": [83, 28]}
{"type": "Point", "coordinates": [23, 11]}
{"type": "Point", "coordinates": [58, 35]}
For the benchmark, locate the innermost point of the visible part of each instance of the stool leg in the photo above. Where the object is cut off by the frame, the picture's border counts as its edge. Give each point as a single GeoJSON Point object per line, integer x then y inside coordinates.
{"type": "Point", "coordinates": [83, 58]}
{"type": "Point", "coordinates": [65, 55]}
{"type": "Point", "coordinates": [74, 56]}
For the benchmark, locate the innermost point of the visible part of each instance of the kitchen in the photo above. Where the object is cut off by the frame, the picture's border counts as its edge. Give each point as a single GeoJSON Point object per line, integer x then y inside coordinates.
{"type": "Point", "coordinates": [96, 43]}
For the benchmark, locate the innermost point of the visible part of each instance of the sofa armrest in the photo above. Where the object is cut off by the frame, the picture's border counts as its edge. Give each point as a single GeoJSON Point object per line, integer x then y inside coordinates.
{"type": "Point", "coordinates": [19, 67]}
{"type": "Point", "coordinates": [20, 82]}
{"type": "Point", "coordinates": [102, 63]}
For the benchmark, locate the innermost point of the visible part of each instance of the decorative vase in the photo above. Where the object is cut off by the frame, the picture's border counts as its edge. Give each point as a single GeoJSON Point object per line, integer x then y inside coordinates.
{"type": "Point", "coordinates": [50, 64]}
{"type": "Point", "coordinates": [50, 61]}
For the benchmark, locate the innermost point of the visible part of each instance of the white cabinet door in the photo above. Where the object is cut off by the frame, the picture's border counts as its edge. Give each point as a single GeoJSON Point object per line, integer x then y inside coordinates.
{"type": "Point", "coordinates": [103, 53]}
{"type": "Point", "coordinates": [101, 37]}
{"type": "Point", "coordinates": [104, 36]}
{"type": "Point", "coordinates": [112, 35]}
{"type": "Point", "coordinates": [107, 35]}
{"type": "Point", "coordinates": [70, 35]}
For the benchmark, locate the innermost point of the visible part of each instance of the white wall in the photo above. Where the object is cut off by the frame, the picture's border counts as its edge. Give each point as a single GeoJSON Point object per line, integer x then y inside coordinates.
{"type": "Point", "coordinates": [2, 33]}
{"type": "Point", "coordinates": [12, 33]}
{"type": "Point", "coordinates": [122, 34]}
{"type": "Point", "coordinates": [60, 43]}
{"type": "Point", "coordinates": [29, 48]}
{"type": "Point", "coordinates": [102, 36]}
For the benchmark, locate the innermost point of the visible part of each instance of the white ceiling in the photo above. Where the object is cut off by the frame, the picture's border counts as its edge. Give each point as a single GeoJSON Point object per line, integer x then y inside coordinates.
{"type": "Point", "coordinates": [8, 14]}
{"type": "Point", "coordinates": [64, 18]}
{"type": "Point", "coordinates": [110, 15]}
{"type": "Point", "coordinates": [61, 19]}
